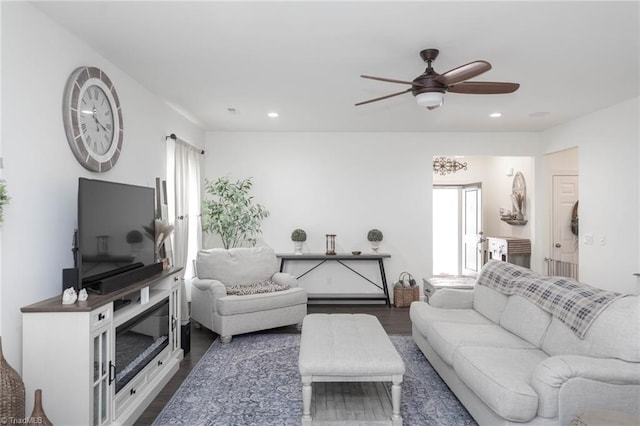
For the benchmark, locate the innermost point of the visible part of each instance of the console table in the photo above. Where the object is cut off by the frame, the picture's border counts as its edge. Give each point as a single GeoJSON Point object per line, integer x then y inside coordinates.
{"type": "Point", "coordinates": [341, 259]}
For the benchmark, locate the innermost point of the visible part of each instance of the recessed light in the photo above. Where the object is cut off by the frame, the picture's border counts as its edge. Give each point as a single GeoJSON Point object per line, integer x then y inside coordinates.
{"type": "Point", "coordinates": [495, 114]}
{"type": "Point", "coordinates": [273, 115]}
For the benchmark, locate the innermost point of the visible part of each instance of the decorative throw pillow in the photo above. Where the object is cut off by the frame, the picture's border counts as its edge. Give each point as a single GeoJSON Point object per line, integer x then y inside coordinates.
{"type": "Point", "coordinates": [266, 286]}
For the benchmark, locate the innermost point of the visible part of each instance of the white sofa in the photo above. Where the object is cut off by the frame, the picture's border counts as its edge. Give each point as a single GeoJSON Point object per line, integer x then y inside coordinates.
{"type": "Point", "coordinates": [511, 362]}
{"type": "Point", "coordinates": [218, 269]}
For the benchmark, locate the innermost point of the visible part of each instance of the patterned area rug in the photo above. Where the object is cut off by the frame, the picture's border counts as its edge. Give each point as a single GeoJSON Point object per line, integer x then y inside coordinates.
{"type": "Point", "coordinates": [255, 381]}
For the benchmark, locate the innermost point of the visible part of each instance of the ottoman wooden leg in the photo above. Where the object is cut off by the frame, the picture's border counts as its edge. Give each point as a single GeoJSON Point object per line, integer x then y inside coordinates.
{"type": "Point", "coordinates": [306, 401]}
{"type": "Point", "coordinates": [396, 390]}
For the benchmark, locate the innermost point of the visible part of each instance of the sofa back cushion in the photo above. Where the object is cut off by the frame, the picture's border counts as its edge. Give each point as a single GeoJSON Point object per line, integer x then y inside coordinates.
{"type": "Point", "coordinates": [237, 266]}
{"type": "Point", "coordinates": [615, 333]}
{"type": "Point", "coordinates": [489, 302]}
{"type": "Point", "coordinates": [525, 319]}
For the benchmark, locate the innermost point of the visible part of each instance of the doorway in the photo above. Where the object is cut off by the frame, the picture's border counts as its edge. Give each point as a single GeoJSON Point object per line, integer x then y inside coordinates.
{"type": "Point", "coordinates": [563, 255]}
{"type": "Point", "coordinates": [457, 229]}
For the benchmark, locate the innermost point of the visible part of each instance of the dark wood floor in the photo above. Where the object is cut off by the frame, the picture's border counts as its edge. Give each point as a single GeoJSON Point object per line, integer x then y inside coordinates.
{"type": "Point", "coordinates": [394, 320]}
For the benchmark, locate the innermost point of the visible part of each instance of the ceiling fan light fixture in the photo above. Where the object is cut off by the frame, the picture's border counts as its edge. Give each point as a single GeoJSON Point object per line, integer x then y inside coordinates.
{"type": "Point", "coordinates": [429, 99]}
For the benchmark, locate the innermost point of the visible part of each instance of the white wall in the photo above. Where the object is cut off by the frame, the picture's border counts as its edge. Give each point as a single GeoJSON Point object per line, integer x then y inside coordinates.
{"type": "Point", "coordinates": [42, 174]}
{"type": "Point", "coordinates": [348, 183]}
{"type": "Point", "coordinates": [609, 143]}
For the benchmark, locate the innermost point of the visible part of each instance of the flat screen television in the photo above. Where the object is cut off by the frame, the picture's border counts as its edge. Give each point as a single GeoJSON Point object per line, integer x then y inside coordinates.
{"type": "Point", "coordinates": [116, 234]}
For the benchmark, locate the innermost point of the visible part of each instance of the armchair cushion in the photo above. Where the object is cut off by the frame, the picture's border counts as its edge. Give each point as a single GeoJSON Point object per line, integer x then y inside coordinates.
{"type": "Point", "coordinates": [233, 305]}
{"type": "Point", "coordinates": [237, 265]}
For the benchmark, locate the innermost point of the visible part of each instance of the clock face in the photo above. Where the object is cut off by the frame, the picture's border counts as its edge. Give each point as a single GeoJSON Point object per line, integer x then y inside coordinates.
{"type": "Point", "coordinates": [96, 120]}
{"type": "Point", "coordinates": [92, 119]}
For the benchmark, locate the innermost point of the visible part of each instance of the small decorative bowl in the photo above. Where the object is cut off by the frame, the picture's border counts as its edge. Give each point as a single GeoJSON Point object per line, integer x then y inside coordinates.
{"type": "Point", "coordinates": [355, 253]}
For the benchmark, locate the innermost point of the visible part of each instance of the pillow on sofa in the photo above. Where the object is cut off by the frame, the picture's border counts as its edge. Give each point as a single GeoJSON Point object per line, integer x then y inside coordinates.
{"type": "Point", "coordinates": [266, 286]}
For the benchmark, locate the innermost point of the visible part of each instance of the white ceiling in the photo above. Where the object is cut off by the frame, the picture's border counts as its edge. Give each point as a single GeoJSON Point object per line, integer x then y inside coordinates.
{"type": "Point", "coordinates": [303, 59]}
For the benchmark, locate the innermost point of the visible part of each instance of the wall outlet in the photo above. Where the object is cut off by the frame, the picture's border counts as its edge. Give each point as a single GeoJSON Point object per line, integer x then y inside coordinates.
{"type": "Point", "coordinates": [587, 239]}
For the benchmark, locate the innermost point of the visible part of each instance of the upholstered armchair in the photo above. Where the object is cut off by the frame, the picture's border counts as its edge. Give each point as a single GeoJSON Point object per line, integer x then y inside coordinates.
{"type": "Point", "coordinates": [240, 290]}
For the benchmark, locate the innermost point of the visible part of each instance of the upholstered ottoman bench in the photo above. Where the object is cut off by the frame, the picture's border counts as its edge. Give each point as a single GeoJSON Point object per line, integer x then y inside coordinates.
{"type": "Point", "coordinates": [348, 348]}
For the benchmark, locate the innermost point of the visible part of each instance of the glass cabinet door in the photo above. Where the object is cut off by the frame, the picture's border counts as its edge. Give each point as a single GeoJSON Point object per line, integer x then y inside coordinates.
{"type": "Point", "coordinates": [175, 318]}
{"type": "Point", "coordinates": [101, 372]}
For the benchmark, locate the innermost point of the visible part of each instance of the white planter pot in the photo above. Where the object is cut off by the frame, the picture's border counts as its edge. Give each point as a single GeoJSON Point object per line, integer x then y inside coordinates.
{"type": "Point", "coordinates": [297, 247]}
{"type": "Point", "coordinates": [375, 245]}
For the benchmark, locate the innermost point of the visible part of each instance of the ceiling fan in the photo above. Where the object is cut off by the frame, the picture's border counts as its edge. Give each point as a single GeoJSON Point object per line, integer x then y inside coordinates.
{"type": "Point", "coordinates": [429, 87]}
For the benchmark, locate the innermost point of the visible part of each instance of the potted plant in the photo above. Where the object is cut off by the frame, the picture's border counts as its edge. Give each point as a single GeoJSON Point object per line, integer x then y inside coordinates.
{"type": "Point", "coordinates": [4, 198]}
{"type": "Point", "coordinates": [298, 236]}
{"type": "Point", "coordinates": [231, 212]}
{"type": "Point", "coordinates": [374, 236]}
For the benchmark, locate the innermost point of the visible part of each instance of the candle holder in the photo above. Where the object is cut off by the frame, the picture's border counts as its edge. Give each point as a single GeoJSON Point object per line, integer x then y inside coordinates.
{"type": "Point", "coordinates": [331, 244]}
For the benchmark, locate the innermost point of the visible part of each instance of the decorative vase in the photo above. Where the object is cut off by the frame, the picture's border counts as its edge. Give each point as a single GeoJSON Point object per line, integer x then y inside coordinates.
{"type": "Point", "coordinates": [38, 416]}
{"type": "Point", "coordinates": [375, 245]}
{"type": "Point", "coordinates": [297, 247]}
{"type": "Point", "coordinates": [11, 392]}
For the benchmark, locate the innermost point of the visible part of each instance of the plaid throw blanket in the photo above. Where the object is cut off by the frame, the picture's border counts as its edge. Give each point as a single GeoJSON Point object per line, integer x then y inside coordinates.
{"type": "Point", "coordinates": [573, 303]}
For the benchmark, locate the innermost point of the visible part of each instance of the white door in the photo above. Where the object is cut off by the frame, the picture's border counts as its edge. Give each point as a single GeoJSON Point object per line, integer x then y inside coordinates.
{"type": "Point", "coordinates": [472, 241]}
{"type": "Point", "coordinates": [564, 244]}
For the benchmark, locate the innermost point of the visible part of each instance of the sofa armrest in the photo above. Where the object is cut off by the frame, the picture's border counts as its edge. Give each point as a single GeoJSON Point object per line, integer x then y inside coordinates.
{"type": "Point", "coordinates": [283, 278]}
{"type": "Point", "coordinates": [565, 384]}
{"type": "Point", "coordinates": [214, 286]}
{"type": "Point", "coordinates": [449, 298]}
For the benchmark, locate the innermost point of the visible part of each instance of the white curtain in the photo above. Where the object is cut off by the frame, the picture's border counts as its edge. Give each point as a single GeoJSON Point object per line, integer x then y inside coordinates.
{"type": "Point", "coordinates": [184, 209]}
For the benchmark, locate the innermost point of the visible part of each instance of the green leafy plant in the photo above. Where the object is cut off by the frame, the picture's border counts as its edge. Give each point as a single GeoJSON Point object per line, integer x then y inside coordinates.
{"type": "Point", "coordinates": [4, 198]}
{"type": "Point", "coordinates": [298, 235]}
{"type": "Point", "coordinates": [231, 213]}
{"type": "Point", "coordinates": [374, 235]}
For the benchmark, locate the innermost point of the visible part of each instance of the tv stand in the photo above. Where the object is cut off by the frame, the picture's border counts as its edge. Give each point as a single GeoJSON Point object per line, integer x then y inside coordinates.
{"type": "Point", "coordinates": [68, 352]}
{"type": "Point", "coordinates": [120, 303]}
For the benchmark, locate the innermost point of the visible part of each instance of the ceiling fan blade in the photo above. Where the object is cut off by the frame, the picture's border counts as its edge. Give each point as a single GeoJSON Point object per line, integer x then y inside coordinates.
{"type": "Point", "coordinates": [464, 72]}
{"type": "Point", "coordinates": [391, 80]}
{"type": "Point", "coordinates": [383, 97]}
{"type": "Point", "coordinates": [483, 88]}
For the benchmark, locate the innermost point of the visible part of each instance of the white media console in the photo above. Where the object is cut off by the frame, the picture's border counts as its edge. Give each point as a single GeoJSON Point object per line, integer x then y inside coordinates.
{"type": "Point", "coordinates": [69, 351]}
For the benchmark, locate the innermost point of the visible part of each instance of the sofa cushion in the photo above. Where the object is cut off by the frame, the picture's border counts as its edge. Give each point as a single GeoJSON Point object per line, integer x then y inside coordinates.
{"type": "Point", "coordinates": [447, 337]}
{"type": "Point", "coordinates": [615, 333]}
{"type": "Point", "coordinates": [525, 319]}
{"type": "Point", "coordinates": [231, 305]}
{"type": "Point", "coordinates": [423, 314]}
{"type": "Point", "coordinates": [500, 378]}
{"type": "Point", "coordinates": [237, 265]}
{"type": "Point", "coordinates": [489, 302]}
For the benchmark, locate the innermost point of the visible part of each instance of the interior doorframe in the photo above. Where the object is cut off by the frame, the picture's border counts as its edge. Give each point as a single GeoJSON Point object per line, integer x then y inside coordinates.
{"type": "Point", "coordinates": [461, 219]}
{"type": "Point", "coordinates": [557, 162]}
{"type": "Point", "coordinates": [477, 187]}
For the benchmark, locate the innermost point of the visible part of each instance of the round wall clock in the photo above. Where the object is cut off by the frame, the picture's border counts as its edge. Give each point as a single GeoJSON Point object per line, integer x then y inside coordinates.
{"type": "Point", "coordinates": [92, 119]}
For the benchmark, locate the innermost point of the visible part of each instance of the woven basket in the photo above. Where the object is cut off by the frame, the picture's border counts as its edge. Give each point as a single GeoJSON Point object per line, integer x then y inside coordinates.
{"type": "Point", "coordinates": [11, 392]}
{"type": "Point", "coordinates": [402, 297]}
